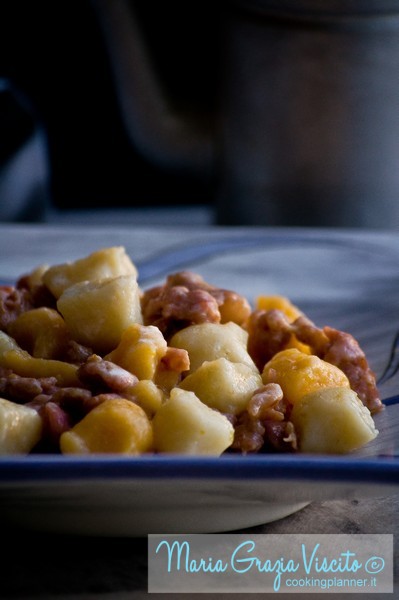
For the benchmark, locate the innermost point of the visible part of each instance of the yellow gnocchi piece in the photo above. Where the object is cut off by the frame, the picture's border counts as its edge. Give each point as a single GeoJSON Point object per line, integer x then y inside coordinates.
{"type": "Point", "coordinates": [148, 395]}
{"type": "Point", "coordinates": [22, 363]}
{"type": "Point", "coordinates": [185, 425]}
{"type": "Point", "coordinates": [106, 263]}
{"type": "Point", "coordinates": [140, 350]}
{"type": "Point", "coordinates": [282, 303]}
{"type": "Point", "coordinates": [299, 374]}
{"type": "Point", "coordinates": [223, 385]}
{"type": "Point", "coordinates": [34, 279]}
{"type": "Point", "coordinates": [332, 421]}
{"type": "Point", "coordinates": [41, 331]}
{"type": "Point", "coordinates": [20, 428]}
{"type": "Point", "coordinates": [98, 312]}
{"type": "Point", "coordinates": [115, 426]}
{"type": "Point", "coordinates": [210, 341]}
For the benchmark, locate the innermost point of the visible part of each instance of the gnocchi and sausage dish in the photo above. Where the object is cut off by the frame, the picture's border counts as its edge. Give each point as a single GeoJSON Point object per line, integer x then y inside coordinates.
{"type": "Point", "coordinates": [91, 363]}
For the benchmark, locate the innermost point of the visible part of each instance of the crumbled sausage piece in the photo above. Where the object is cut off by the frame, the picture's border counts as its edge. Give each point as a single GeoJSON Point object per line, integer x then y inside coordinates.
{"type": "Point", "coordinates": [307, 332]}
{"type": "Point", "coordinates": [39, 294]}
{"type": "Point", "coordinates": [177, 307]}
{"type": "Point", "coordinates": [267, 403]}
{"type": "Point", "coordinates": [268, 333]}
{"type": "Point", "coordinates": [24, 389]}
{"type": "Point", "coordinates": [188, 279]}
{"type": "Point", "coordinates": [232, 306]}
{"type": "Point", "coordinates": [264, 423]}
{"type": "Point", "coordinates": [13, 302]}
{"type": "Point", "coordinates": [78, 402]}
{"type": "Point", "coordinates": [186, 299]}
{"type": "Point", "coordinates": [280, 436]}
{"type": "Point", "coordinates": [191, 306]}
{"type": "Point", "coordinates": [345, 353]}
{"type": "Point", "coordinates": [175, 359]}
{"type": "Point", "coordinates": [290, 435]}
{"type": "Point", "coordinates": [248, 434]}
{"type": "Point", "coordinates": [39, 401]}
{"type": "Point", "coordinates": [76, 353]}
{"type": "Point", "coordinates": [103, 376]}
{"type": "Point", "coordinates": [55, 421]}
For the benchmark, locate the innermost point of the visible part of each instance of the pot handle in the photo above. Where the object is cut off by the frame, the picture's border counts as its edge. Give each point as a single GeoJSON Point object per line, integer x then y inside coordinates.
{"type": "Point", "coordinates": [173, 141]}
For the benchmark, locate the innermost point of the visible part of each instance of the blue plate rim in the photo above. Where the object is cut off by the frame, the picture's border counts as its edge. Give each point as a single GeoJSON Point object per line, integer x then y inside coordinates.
{"type": "Point", "coordinates": [51, 468]}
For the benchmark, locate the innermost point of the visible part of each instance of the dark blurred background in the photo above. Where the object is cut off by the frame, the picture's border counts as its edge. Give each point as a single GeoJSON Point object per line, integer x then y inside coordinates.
{"type": "Point", "coordinates": [59, 111]}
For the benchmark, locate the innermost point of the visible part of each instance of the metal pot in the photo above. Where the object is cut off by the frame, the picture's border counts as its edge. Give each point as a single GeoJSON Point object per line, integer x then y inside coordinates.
{"type": "Point", "coordinates": [308, 127]}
